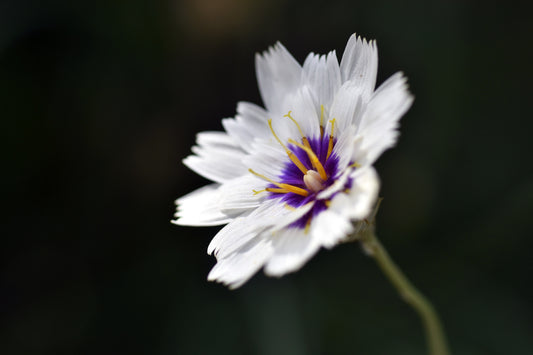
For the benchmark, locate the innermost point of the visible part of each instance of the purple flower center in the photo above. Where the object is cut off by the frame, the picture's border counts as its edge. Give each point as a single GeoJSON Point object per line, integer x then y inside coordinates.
{"type": "Point", "coordinates": [292, 175]}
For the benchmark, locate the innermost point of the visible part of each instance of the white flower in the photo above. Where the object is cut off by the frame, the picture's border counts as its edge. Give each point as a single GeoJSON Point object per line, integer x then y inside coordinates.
{"type": "Point", "coordinates": [295, 176]}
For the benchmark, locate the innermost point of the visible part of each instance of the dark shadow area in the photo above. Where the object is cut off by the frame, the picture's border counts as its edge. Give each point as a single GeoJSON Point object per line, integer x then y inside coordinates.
{"type": "Point", "coordinates": [100, 101]}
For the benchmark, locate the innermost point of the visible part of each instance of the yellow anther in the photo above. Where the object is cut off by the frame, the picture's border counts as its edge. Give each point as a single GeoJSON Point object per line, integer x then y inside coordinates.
{"type": "Point", "coordinates": [327, 203]}
{"type": "Point", "coordinates": [355, 165]}
{"type": "Point", "coordinates": [330, 144]}
{"type": "Point", "coordinates": [290, 208]}
{"type": "Point", "coordinates": [256, 192]}
{"type": "Point", "coordinates": [283, 188]}
{"type": "Point", "coordinates": [291, 155]}
{"type": "Point", "coordinates": [314, 159]}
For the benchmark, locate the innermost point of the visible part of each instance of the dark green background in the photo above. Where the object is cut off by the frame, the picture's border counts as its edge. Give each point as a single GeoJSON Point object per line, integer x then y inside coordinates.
{"type": "Point", "coordinates": [100, 101]}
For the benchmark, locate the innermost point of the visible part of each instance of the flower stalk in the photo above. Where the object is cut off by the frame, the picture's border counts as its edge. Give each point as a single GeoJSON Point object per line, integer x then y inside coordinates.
{"type": "Point", "coordinates": [434, 332]}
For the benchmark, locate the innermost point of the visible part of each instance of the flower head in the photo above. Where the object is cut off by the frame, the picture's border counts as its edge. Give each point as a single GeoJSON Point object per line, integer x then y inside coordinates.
{"type": "Point", "coordinates": [295, 176]}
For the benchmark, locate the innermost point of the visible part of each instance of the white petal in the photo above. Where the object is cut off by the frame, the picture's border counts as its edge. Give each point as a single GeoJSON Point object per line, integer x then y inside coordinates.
{"type": "Point", "coordinates": [233, 236]}
{"type": "Point", "coordinates": [237, 195]}
{"type": "Point", "coordinates": [303, 111]}
{"type": "Point", "coordinates": [237, 268]}
{"type": "Point", "coordinates": [249, 124]}
{"type": "Point", "coordinates": [293, 247]}
{"type": "Point", "coordinates": [215, 139]}
{"type": "Point", "coordinates": [267, 158]}
{"type": "Point", "coordinates": [329, 228]}
{"type": "Point", "coordinates": [339, 184]}
{"type": "Point", "coordinates": [200, 208]}
{"type": "Point", "coordinates": [278, 75]}
{"type": "Point", "coordinates": [347, 106]}
{"type": "Point", "coordinates": [360, 199]}
{"type": "Point", "coordinates": [292, 216]}
{"type": "Point", "coordinates": [380, 121]}
{"type": "Point", "coordinates": [359, 64]}
{"type": "Point", "coordinates": [217, 157]}
{"type": "Point", "coordinates": [323, 76]}
{"type": "Point", "coordinates": [237, 233]}
{"type": "Point", "coordinates": [359, 154]}
{"type": "Point", "coordinates": [344, 146]}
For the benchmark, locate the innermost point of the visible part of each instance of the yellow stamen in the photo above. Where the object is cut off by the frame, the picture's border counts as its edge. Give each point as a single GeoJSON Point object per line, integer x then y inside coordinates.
{"type": "Point", "coordinates": [276, 190]}
{"type": "Point", "coordinates": [304, 138]}
{"type": "Point", "coordinates": [271, 189]}
{"type": "Point", "coordinates": [330, 144]}
{"type": "Point", "coordinates": [290, 208]}
{"type": "Point", "coordinates": [305, 141]}
{"type": "Point", "coordinates": [288, 115]}
{"type": "Point", "coordinates": [294, 189]}
{"type": "Point", "coordinates": [291, 155]}
{"type": "Point", "coordinates": [355, 165]}
{"type": "Point", "coordinates": [285, 187]}
{"type": "Point", "coordinates": [314, 159]}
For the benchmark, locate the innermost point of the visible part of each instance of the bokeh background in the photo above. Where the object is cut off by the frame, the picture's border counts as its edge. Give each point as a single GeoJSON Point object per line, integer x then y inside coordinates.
{"type": "Point", "coordinates": [101, 100]}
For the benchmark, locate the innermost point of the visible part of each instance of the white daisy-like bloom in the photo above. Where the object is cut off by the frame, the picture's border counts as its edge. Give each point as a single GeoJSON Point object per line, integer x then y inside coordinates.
{"type": "Point", "coordinates": [296, 175]}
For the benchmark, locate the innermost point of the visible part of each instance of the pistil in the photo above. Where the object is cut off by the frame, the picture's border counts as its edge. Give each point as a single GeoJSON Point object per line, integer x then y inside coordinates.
{"type": "Point", "coordinates": [313, 181]}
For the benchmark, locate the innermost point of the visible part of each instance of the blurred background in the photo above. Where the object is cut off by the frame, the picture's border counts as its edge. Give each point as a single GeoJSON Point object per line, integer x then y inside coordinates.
{"type": "Point", "coordinates": [101, 100]}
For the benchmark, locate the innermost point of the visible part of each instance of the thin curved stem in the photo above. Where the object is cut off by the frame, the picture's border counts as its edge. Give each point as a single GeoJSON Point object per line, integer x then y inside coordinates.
{"type": "Point", "coordinates": [434, 332]}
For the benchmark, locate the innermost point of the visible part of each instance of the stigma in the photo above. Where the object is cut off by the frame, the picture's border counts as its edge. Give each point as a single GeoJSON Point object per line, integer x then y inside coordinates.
{"type": "Point", "coordinates": [313, 181]}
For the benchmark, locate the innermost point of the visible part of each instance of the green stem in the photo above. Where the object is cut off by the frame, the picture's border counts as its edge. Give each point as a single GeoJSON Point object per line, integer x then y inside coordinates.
{"type": "Point", "coordinates": [433, 329]}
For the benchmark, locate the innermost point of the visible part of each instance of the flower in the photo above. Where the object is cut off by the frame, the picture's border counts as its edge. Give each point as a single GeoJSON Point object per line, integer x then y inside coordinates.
{"type": "Point", "coordinates": [294, 177]}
